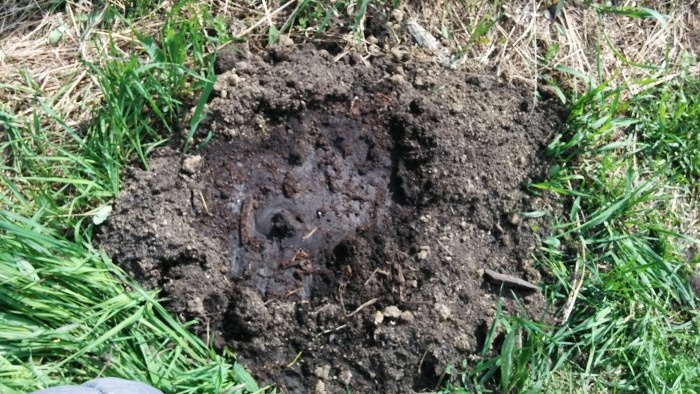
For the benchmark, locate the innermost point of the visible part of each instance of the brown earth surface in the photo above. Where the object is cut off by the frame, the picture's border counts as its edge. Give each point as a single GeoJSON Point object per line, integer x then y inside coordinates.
{"type": "Point", "coordinates": [336, 231]}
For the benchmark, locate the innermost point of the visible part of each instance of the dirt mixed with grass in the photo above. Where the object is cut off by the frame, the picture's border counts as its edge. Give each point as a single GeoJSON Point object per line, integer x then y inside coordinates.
{"type": "Point", "coordinates": [336, 230]}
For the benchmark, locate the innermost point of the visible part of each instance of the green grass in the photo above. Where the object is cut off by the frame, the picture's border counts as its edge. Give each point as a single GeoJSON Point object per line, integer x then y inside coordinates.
{"type": "Point", "coordinates": [628, 170]}
{"type": "Point", "coordinates": [67, 314]}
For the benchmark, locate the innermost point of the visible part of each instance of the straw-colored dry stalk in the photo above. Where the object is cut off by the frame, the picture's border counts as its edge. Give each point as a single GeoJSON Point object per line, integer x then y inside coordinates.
{"type": "Point", "coordinates": [43, 43]}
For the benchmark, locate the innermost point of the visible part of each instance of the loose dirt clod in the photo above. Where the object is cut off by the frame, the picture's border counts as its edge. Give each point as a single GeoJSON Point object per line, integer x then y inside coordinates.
{"type": "Point", "coordinates": [339, 219]}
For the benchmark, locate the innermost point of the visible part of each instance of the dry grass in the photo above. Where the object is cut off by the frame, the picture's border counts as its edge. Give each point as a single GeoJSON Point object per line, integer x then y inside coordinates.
{"type": "Point", "coordinates": [42, 58]}
{"type": "Point", "coordinates": [43, 45]}
{"type": "Point", "coordinates": [531, 39]}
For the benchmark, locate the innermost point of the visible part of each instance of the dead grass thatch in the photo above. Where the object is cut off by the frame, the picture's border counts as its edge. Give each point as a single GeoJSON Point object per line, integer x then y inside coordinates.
{"type": "Point", "coordinates": [44, 43]}
{"type": "Point", "coordinates": [529, 40]}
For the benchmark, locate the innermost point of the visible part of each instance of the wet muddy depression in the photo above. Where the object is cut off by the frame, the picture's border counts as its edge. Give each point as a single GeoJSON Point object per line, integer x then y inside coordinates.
{"type": "Point", "coordinates": [346, 224]}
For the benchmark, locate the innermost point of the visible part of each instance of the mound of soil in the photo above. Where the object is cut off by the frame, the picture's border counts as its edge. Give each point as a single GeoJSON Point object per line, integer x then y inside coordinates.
{"type": "Point", "coordinates": [336, 231]}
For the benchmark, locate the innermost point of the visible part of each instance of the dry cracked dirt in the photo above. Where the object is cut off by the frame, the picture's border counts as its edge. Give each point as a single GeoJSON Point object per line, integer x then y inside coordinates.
{"type": "Point", "coordinates": [336, 230]}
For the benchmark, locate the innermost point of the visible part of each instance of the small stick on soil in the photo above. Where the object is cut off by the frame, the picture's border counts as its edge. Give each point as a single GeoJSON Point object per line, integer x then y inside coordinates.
{"type": "Point", "coordinates": [292, 292]}
{"type": "Point", "coordinates": [420, 364]}
{"type": "Point", "coordinates": [402, 282]}
{"type": "Point", "coordinates": [246, 220]}
{"type": "Point", "coordinates": [341, 291]}
{"type": "Point", "coordinates": [445, 248]}
{"type": "Point", "coordinates": [298, 356]}
{"type": "Point", "coordinates": [363, 306]}
{"type": "Point", "coordinates": [204, 202]}
{"type": "Point", "coordinates": [309, 234]}
{"type": "Point", "coordinates": [331, 330]}
{"type": "Point", "coordinates": [508, 281]}
{"type": "Point", "coordinates": [376, 271]}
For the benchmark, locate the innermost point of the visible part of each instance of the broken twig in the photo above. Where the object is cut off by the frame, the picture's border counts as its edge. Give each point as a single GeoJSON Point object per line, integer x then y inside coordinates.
{"type": "Point", "coordinates": [508, 281]}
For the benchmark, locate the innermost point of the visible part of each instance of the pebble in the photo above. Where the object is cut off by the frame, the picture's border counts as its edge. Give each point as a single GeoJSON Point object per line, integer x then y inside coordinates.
{"type": "Point", "coordinates": [345, 377]}
{"type": "Point", "coordinates": [286, 41]}
{"type": "Point", "coordinates": [398, 79]}
{"type": "Point", "coordinates": [233, 79]}
{"type": "Point", "coordinates": [378, 318]}
{"type": "Point", "coordinates": [392, 312]}
{"type": "Point", "coordinates": [196, 306]}
{"type": "Point", "coordinates": [323, 371]}
{"type": "Point", "coordinates": [423, 253]}
{"type": "Point", "coordinates": [443, 311]}
{"type": "Point", "coordinates": [407, 316]}
{"type": "Point", "coordinates": [192, 164]}
{"type": "Point", "coordinates": [462, 343]}
{"type": "Point", "coordinates": [515, 219]}
{"type": "Point", "coordinates": [456, 109]}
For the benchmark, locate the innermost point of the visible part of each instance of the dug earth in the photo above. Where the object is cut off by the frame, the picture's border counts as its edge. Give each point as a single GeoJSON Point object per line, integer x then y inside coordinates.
{"type": "Point", "coordinates": [346, 225]}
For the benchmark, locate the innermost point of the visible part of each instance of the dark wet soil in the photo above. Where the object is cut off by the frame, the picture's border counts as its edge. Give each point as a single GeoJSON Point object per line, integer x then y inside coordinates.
{"type": "Point", "coordinates": [335, 231]}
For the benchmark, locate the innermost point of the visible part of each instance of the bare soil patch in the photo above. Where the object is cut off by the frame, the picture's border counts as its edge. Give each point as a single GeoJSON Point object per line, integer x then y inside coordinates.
{"type": "Point", "coordinates": [336, 231]}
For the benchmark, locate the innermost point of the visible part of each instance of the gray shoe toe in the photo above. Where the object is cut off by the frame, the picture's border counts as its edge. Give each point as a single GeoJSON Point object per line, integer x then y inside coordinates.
{"type": "Point", "coordinates": [103, 386]}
